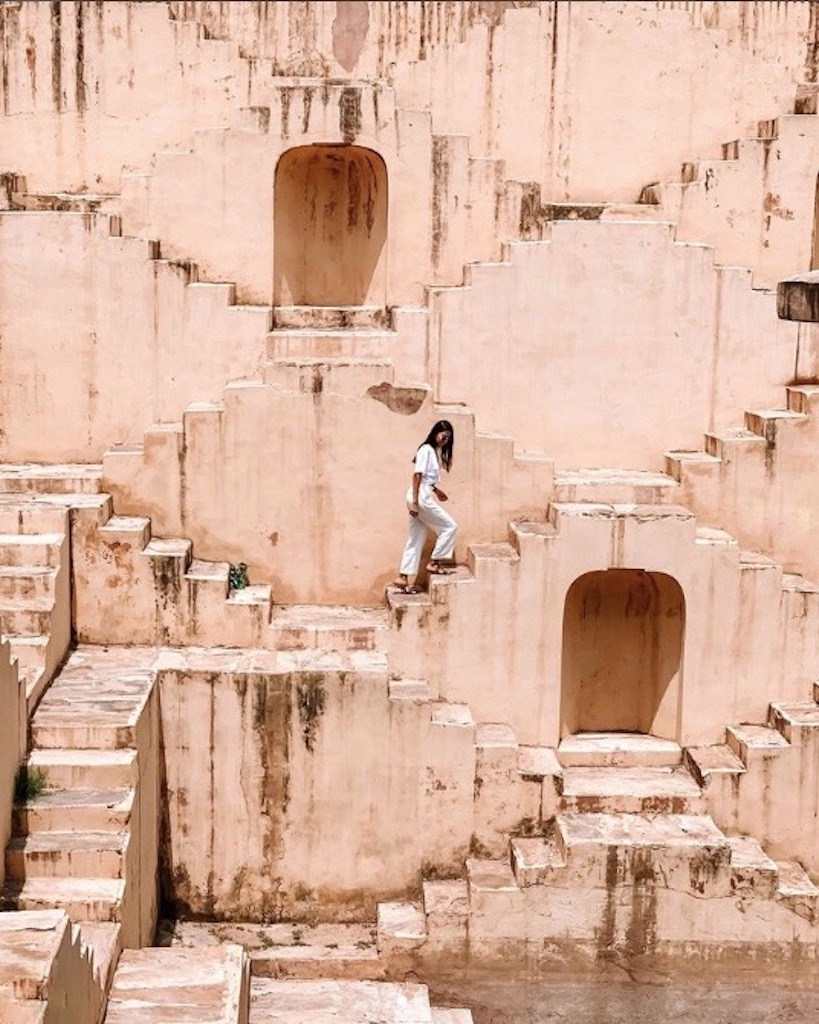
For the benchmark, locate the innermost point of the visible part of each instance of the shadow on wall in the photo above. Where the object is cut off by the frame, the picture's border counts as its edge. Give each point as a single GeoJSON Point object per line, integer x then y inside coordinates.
{"type": "Point", "coordinates": [330, 227]}
{"type": "Point", "coordinates": [623, 635]}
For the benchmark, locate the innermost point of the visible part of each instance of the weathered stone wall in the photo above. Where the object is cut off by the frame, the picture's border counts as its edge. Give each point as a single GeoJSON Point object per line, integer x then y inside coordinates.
{"type": "Point", "coordinates": [747, 638]}
{"type": "Point", "coordinates": [100, 339]}
{"type": "Point", "coordinates": [540, 85]}
{"type": "Point", "coordinates": [612, 310]}
{"type": "Point", "coordinates": [289, 786]}
{"type": "Point", "coordinates": [611, 325]}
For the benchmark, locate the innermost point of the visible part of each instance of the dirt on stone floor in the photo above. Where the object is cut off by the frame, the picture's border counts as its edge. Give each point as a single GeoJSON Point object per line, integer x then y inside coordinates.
{"type": "Point", "coordinates": [752, 994]}
{"type": "Point", "coordinates": [684, 992]}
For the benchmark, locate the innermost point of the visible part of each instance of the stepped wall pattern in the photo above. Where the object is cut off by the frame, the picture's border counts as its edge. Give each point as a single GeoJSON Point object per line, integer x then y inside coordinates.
{"type": "Point", "coordinates": [121, 335]}
{"type": "Point", "coordinates": [177, 340]}
{"type": "Point", "coordinates": [249, 253]}
{"type": "Point", "coordinates": [270, 506]}
{"type": "Point", "coordinates": [763, 469]}
{"type": "Point", "coordinates": [752, 205]}
{"type": "Point", "coordinates": [67, 113]}
{"type": "Point", "coordinates": [579, 297]}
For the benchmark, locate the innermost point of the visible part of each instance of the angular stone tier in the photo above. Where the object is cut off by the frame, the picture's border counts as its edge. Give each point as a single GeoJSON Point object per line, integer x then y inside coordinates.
{"type": "Point", "coordinates": [623, 883]}
{"type": "Point", "coordinates": [31, 943]}
{"type": "Point", "coordinates": [35, 478]}
{"type": "Point", "coordinates": [639, 487]}
{"type": "Point", "coordinates": [329, 627]}
{"type": "Point", "coordinates": [35, 589]}
{"type": "Point", "coordinates": [670, 790]}
{"type": "Point", "coordinates": [157, 986]}
{"type": "Point", "coordinates": [46, 971]}
{"type": "Point", "coordinates": [617, 749]}
{"type": "Point", "coordinates": [97, 701]}
{"type": "Point", "coordinates": [354, 1002]}
{"type": "Point", "coordinates": [83, 899]}
{"type": "Point", "coordinates": [87, 842]}
{"type": "Point", "coordinates": [289, 950]}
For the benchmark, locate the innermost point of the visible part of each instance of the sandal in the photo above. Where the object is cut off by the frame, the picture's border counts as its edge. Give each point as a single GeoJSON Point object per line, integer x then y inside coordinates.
{"type": "Point", "coordinates": [440, 570]}
{"type": "Point", "coordinates": [405, 588]}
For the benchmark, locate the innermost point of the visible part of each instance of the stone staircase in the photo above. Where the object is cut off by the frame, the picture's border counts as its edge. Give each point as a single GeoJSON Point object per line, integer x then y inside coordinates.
{"type": "Point", "coordinates": [741, 777]}
{"type": "Point", "coordinates": [176, 599]}
{"type": "Point", "coordinates": [49, 974]}
{"type": "Point", "coordinates": [35, 584]}
{"type": "Point", "coordinates": [88, 843]}
{"type": "Point", "coordinates": [750, 480]}
{"type": "Point", "coordinates": [627, 866]}
{"type": "Point", "coordinates": [750, 204]}
{"type": "Point", "coordinates": [190, 600]}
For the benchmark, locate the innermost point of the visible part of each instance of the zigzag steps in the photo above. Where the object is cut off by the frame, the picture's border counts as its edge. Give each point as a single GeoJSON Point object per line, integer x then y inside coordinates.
{"type": "Point", "coordinates": [73, 846]}
{"type": "Point", "coordinates": [740, 778]}
{"type": "Point", "coordinates": [35, 613]}
{"type": "Point", "coordinates": [743, 457]}
{"type": "Point", "coordinates": [228, 615]}
{"type": "Point", "coordinates": [527, 896]}
{"type": "Point", "coordinates": [50, 970]}
{"type": "Point", "coordinates": [740, 202]}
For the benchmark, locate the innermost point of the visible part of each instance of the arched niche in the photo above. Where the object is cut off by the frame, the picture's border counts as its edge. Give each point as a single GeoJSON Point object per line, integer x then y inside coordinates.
{"type": "Point", "coordinates": [330, 227]}
{"type": "Point", "coordinates": [623, 632]}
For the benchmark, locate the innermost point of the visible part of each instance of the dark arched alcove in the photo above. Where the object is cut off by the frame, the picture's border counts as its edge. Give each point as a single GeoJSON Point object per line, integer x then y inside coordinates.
{"type": "Point", "coordinates": [623, 635]}
{"type": "Point", "coordinates": [330, 226]}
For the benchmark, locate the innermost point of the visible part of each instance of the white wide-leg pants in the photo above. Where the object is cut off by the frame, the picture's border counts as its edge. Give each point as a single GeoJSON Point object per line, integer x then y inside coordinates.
{"type": "Point", "coordinates": [430, 517]}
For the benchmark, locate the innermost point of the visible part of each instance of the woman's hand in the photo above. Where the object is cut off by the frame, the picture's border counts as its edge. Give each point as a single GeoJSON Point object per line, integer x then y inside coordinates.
{"type": "Point", "coordinates": [413, 510]}
{"type": "Point", "coordinates": [440, 495]}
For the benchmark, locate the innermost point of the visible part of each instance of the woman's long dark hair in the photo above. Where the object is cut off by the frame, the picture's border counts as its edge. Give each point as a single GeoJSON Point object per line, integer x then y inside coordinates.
{"type": "Point", "coordinates": [446, 451]}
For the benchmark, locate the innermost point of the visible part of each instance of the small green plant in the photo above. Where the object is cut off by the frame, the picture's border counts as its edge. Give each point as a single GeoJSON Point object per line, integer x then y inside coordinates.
{"type": "Point", "coordinates": [29, 784]}
{"type": "Point", "coordinates": [238, 578]}
{"type": "Point", "coordinates": [298, 937]}
{"type": "Point", "coordinates": [265, 942]}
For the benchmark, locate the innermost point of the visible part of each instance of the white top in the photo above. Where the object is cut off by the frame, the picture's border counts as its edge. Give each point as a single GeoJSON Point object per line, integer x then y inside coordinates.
{"type": "Point", "coordinates": [426, 463]}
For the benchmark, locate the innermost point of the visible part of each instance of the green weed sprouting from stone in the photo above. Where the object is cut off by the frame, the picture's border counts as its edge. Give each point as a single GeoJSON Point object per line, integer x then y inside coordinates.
{"type": "Point", "coordinates": [29, 784]}
{"type": "Point", "coordinates": [238, 578]}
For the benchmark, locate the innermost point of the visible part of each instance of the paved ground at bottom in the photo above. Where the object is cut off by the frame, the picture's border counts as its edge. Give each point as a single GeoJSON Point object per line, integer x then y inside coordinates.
{"type": "Point", "coordinates": [609, 997]}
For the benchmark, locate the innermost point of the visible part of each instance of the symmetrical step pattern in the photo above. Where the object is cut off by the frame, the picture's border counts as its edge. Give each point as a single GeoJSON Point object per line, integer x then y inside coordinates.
{"type": "Point", "coordinates": [672, 865]}
{"type": "Point", "coordinates": [627, 866]}
{"type": "Point", "coordinates": [87, 842]}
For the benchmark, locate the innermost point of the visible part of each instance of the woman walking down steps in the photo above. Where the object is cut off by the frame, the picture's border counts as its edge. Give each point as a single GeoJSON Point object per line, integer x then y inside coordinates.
{"type": "Point", "coordinates": [425, 512]}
